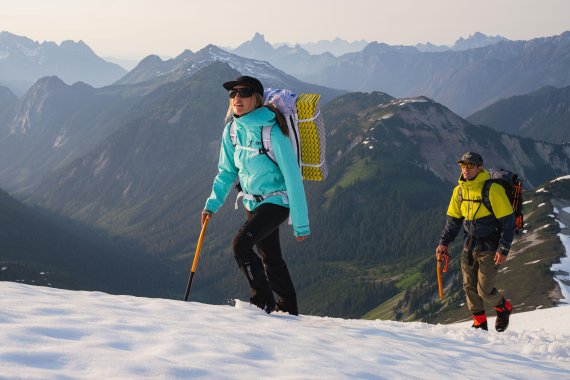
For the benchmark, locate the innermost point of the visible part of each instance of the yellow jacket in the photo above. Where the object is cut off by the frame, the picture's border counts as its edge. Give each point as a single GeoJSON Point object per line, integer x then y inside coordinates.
{"type": "Point", "coordinates": [470, 206]}
{"type": "Point", "coordinates": [488, 231]}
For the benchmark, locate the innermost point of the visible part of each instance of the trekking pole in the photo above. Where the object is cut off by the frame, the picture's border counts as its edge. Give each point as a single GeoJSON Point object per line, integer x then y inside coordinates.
{"type": "Point", "coordinates": [196, 256]}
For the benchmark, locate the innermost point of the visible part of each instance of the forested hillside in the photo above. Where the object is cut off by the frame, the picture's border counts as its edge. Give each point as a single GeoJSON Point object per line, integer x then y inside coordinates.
{"type": "Point", "coordinates": [541, 115]}
{"type": "Point", "coordinates": [41, 248]}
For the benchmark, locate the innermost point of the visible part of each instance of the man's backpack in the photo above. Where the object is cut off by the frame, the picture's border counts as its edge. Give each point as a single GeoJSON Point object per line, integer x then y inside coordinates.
{"type": "Point", "coordinates": [513, 187]}
{"type": "Point", "coordinates": [512, 183]}
{"type": "Point", "coordinates": [306, 131]}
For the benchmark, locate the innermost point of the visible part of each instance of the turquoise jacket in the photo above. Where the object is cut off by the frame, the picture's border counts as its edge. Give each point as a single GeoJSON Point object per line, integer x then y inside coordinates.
{"type": "Point", "coordinates": [257, 174]}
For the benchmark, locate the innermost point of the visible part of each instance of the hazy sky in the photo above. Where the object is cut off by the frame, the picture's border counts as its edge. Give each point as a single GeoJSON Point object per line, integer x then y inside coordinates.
{"type": "Point", "coordinates": [137, 28]}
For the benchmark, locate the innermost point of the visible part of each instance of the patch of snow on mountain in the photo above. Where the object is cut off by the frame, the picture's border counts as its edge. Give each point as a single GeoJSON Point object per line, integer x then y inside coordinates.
{"type": "Point", "coordinates": [404, 101]}
{"type": "Point", "coordinates": [28, 52]}
{"type": "Point", "coordinates": [562, 270]}
{"type": "Point", "coordinates": [60, 141]}
{"type": "Point", "coordinates": [101, 163]}
{"type": "Point", "coordinates": [561, 178]}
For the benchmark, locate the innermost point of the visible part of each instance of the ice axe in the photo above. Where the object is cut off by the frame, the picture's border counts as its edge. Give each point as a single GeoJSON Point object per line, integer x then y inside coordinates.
{"type": "Point", "coordinates": [196, 256]}
{"type": "Point", "coordinates": [439, 270]}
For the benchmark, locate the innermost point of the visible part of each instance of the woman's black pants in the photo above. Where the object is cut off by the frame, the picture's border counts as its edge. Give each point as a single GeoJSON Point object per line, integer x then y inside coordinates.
{"type": "Point", "coordinates": [266, 272]}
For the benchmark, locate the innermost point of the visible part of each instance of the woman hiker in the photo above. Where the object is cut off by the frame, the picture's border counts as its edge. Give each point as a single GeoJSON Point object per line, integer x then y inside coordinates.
{"type": "Point", "coordinates": [271, 192]}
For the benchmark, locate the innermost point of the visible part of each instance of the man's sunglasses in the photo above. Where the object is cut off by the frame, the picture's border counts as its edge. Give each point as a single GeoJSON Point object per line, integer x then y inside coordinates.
{"type": "Point", "coordinates": [245, 92]}
{"type": "Point", "coordinates": [467, 165]}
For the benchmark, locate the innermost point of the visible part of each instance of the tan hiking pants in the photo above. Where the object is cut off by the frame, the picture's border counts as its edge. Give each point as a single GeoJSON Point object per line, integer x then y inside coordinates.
{"type": "Point", "coordinates": [479, 280]}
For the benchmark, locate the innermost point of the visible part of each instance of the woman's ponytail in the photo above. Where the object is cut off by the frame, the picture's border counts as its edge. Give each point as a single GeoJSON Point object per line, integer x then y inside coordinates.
{"type": "Point", "coordinates": [280, 119]}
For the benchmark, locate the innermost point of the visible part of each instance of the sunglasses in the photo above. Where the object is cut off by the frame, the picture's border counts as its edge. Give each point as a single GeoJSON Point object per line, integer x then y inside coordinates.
{"type": "Point", "coordinates": [467, 165]}
{"type": "Point", "coordinates": [245, 92]}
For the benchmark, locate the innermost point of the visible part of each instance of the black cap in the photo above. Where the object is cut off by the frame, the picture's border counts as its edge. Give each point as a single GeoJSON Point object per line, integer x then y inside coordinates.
{"type": "Point", "coordinates": [471, 158]}
{"type": "Point", "coordinates": [245, 80]}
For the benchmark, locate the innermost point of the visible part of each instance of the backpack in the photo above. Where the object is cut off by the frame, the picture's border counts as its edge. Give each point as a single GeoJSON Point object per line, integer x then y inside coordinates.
{"type": "Point", "coordinates": [512, 183]}
{"type": "Point", "coordinates": [306, 131]}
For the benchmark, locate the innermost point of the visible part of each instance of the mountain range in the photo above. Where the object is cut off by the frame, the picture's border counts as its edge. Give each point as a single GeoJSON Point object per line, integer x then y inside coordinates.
{"type": "Point", "coordinates": [464, 80]}
{"type": "Point", "coordinates": [339, 46]}
{"type": "Point", "coordinates": [23, 61]}
{"type": "Point", "coordinates": [474, 41]}
{"type": "Point", "coordinates": [136, 160]}
{"type": "Point", "coordinates": [491, 68]}
{"type": "Point", "coordinates": [541, 115]}
{"type": "Point", "coordinates": [54, 123]}
{"type": "Point", "coordinates": [336, 47]}
{"type": "Point", "coordinates": [153, 71]}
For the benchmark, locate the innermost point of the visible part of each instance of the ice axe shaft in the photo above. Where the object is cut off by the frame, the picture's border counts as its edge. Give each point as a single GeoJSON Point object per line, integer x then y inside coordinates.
{"type": "Point", "coordinates": [439, 259]}
{"type": "Point", "coordinates": [196, 257]}
{"type": "Point", "coordinates": [439, 280]}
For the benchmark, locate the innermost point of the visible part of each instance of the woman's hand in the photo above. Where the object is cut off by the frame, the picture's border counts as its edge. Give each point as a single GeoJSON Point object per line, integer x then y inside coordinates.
{"type": "Point", "coordinates": [206, 214]}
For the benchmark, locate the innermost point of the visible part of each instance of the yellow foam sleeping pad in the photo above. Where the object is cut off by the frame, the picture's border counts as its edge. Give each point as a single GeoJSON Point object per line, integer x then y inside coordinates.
{"type": "Point", "coordinates": [313, 137]}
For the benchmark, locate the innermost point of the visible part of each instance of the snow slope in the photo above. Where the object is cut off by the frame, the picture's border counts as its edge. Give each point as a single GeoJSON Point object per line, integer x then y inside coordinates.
{"type": "Point", "coordinates": [48, 333]}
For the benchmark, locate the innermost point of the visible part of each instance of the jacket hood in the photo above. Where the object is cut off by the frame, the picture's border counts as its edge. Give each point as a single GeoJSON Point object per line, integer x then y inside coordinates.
{"type": "Point", "coordinates": [257, 118]}
{"type": "Point", "coordinates": [481, 177]}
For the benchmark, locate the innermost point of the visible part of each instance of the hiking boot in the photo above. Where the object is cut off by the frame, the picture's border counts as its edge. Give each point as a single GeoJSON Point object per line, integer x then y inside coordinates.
{"type": "Point", "coordinates": [263, 300]}
{"type": "Point", "coordinates": [480, 321]}
{"type": "Point", "coordinates": [503, 310]}
{"type": "Point", "coordinates": [482, 326]}
{"type": "Point", "coordinates": [269, 304]}
{"type": "Point", "coordinates": [287, 307]}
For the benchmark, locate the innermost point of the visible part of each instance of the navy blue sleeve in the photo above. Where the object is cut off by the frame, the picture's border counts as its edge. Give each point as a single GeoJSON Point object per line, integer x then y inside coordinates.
{"type": "Point", "coordinates": [451, 230]}
{"type": "Point", "coordinates": [507, 233]}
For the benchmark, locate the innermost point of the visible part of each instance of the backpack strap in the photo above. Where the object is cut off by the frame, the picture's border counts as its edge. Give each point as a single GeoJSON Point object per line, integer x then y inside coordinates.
{"type": "Point", "coordinates": [267, 146]}
{"type": "Point", "coordinates": [259, 198]}
{"type": "Point", "coordinates": [317, 115]}
{"type": "Point", "coordinates": [233, 133]}
{"type": "Point", "coordinates": [485, 195]}
{"type": "Point", "coordinates": [235, 142]}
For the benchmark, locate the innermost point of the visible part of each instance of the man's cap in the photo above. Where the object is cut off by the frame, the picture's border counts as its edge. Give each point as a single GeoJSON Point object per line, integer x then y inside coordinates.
{"type": "Point", "coordinates": [471, 158]}
{"type": "Point", "coordinates": [245, 80]}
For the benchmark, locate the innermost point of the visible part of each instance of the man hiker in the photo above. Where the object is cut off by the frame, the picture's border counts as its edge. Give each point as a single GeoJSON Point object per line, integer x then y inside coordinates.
{"type": "Point", "coordinates": [488, 238]}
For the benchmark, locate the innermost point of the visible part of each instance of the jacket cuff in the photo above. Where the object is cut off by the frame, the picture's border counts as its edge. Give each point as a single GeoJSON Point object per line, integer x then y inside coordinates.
{"type": "Point", "coordinates": [503, 250]}
{"type": "Point", "coordinates": [301, 231]}
{"type": "Point", "coordinates": [212, 205]}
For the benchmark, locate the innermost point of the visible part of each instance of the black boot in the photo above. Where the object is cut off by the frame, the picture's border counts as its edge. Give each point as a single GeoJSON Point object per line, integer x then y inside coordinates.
{"type": "Point", "coordinates": [261, 293]}
{"type": "Point", "coordinates": [480, 321]}
{"type": "Point", "coordinates": [263, 300]}
{"type": "Point", "coordinates": [287, 305]}
{"type": "Point", "coordinates": [281, 283]}
{"type": "Point", "coordinates": [503, 310]}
